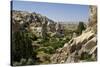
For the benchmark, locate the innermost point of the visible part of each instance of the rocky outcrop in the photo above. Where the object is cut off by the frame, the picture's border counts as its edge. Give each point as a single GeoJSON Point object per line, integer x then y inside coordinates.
{"type": "Point", "coordinates": [78, 49]}
{"type": "Point", "coordinates": [93, 15]}
{"type": "Point", "coordinates": [74, 50]}
{"type": "Point", "coordinates": [33, 22]}
{"type": "Point", "coordinates": [81, 48]}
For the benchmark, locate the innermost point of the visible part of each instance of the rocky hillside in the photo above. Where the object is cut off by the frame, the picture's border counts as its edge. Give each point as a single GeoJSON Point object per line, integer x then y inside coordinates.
{"type": "Point", "coordinates": [34, 38]}
{"type": "Point", "coordinates": [33, 22]}
{"type": "Point", "coordinates": [39, 40]}
{"type": "Point", "coordinates": [81, 48]}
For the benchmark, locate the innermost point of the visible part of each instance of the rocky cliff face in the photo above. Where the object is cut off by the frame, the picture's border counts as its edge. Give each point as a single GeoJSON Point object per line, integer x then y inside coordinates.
{"type": "Point", "coordinates": [81, 48]}
{"type": "Point", "coordinates": [93, 15]}
{"type": "Point", "coordinates": [78, 49]}
{"type": "Point", "coordinates": [32, 22]}
{"type": "Point", "coordinates": [29, 38]}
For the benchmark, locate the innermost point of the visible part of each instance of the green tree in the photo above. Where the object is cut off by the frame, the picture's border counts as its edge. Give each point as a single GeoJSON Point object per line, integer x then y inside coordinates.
{"type": "Point", "coordinates": [22, 46]}
{"type": "Point", "coordinates": [81, 27]}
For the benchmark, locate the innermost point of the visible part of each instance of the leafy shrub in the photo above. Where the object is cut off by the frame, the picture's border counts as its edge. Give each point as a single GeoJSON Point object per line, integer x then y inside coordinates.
{"type": "Point", "coordinates": [86, 56]}
{"type": "Point", "coordinates": [44, 58]}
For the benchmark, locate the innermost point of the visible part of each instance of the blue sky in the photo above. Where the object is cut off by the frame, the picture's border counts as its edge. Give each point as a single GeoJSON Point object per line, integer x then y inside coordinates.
{"type": "Point", "coordinates": [55, 11]}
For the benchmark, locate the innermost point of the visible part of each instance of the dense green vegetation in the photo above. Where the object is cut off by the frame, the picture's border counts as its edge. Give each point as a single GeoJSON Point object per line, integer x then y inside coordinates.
{"type": "Point", "coordinates": [22, 46]}
{"type": "Point", "coordinates": [87, 57]}
{"type": "Point", "coordinates": [43, 49]}
{"type": "Point", "coordinates": [27, 45]}
{"type": "Point", "coordinates": [48, 47]}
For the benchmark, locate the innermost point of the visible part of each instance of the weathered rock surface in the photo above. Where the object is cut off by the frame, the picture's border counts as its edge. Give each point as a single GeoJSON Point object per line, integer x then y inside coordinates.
{"type": "Point", "coordinates": [82, 48]}
{"type": "Point", "coordinates": [93, 15]}
{"type": "Point", "coordinates": [34, 22]}
{"type": "Point", "coordinates": [73, 51]}
{"type": "Point", "coordinates": [78, 49]}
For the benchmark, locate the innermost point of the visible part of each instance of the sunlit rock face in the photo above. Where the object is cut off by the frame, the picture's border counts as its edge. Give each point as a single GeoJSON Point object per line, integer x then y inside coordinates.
{"type": "Point", "coordinates": [35, 23]}
{"type": "Point", "coordinates": [78, 49]}
{"type": "Point", "coordinates": [93, 15]}
{"type": "Point", "coordinates": [82, 48]}
{"type": "Point", "coordinates": [22, 20]}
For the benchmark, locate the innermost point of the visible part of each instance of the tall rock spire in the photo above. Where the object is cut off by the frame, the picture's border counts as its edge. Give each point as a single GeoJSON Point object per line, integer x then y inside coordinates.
{"type": "Point", "coordinates": [93, 15]}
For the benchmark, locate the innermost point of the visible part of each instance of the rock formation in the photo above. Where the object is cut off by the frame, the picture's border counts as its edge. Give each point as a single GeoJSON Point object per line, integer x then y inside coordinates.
{"type": "Point", "coordinates": [81, 48]}
{"type": "Point", "coordinates": [93, 15]}
{"type": "Point", "coordinates": [32, 22]}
